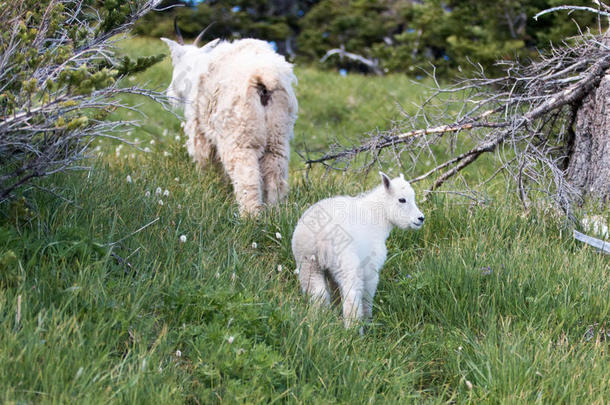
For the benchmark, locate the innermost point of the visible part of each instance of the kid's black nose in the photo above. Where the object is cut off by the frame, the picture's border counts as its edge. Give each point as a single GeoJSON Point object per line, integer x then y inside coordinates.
{"type": "Point", "coordinates": [421, 219]}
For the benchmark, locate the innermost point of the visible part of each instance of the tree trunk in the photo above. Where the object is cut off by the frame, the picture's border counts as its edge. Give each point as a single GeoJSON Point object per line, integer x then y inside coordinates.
{"type": "Point", "coordinates": [589, 165]}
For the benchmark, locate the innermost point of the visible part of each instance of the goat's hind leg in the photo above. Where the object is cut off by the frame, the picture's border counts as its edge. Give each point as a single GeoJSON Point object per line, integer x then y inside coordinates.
{"type": "Point", "coordinates": [274, 169]}
{"type": "Point", "coordinates": [313, 281]}
{"type": "Point", "coordinates": [242, 166]}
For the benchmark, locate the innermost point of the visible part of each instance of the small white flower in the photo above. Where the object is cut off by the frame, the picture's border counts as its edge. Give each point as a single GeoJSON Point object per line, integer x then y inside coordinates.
{"type": "Point", "coordinates": [182, 124]}
{"type": "Point", "coordinates": [468, 385]}
{"type": "Point", "coordinates": [147, 194]}
{"type": "Point", "coordinates": [129, 179]}
{"type": "Point", "coordinates": [233, 276]}
{"type": "Point", "coordinates": [460, 348]}
{"type": "Point", "coordinates": [160, 369]}
{"type": "Point", "coordinates": [160, 202]}
{"type": "Point", "coordinates": [137, 140]}
{"type": "Point", "coordinates": [254, 245]}
{"type": "Point", "coordinates": [129, 133]}
{"type": "Point", "coordinates": [178, 353]}
{"type": "Point", "coordinates": [133, 156]}
{"type": "Point", "coordinates": [278, 235]}
{"type": "Point", "coordinates": [279, 268]}
{"type": "Point", "coordinates": [147, 149]}
{"type": "Point", "coordinates": [182, 238]}
{"type": "Point", "coordinates": [166, 153]}
{"type": "Point", "coordinates": [230, 339]}
{"type": "Point", "coordinates": [97, 148]}
{"type": "Point", "coordinates": [176, 179]}
{"type": "Point", "coordinates": [158, 191]}
{"type": "Point", "coordinates": [296, 271]}
{"type": "Point", "coordinates": [166, 193]}
{"type": "Point", "coordinates": [165, 132]}
{"type": "Point", "coordinates": [177, 137]}
{"type": "Point", "coordinates": [152, 141]}
{"type": "Point", "coordinates": [179, 206]}
{"type": "Point", "coordinates": [217, 275]}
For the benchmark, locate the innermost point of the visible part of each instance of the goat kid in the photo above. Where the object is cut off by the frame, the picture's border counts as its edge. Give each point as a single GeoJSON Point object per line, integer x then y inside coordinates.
{"type": "Point", "coordinates": [340, 242]}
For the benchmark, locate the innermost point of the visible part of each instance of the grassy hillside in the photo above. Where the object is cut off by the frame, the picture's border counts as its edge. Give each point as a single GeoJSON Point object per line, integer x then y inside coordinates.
{"type": "Point", "coordinates": [101, 302]}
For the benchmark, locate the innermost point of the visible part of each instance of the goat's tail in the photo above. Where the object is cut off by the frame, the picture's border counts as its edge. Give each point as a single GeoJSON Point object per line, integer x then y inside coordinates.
{"type": "Point", "coordinates": [271, 88]}
{"type": "Point", "coordinates": [271, 82]}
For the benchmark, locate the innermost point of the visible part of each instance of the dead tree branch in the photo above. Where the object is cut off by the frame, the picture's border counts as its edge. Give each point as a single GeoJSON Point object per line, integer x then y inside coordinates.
{"type": "Point", "coordinates": [526, 120]}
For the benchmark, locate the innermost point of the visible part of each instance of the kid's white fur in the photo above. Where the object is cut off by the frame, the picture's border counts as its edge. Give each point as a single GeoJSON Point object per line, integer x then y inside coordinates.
{"type": "Point", "coordinates": [220, 87]}
{"type": "Point", "coordinates": [341, 240]}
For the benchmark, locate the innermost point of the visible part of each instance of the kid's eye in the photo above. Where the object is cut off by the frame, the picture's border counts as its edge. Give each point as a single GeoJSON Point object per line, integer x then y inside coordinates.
{"type": "Point", "coordinates": [402, 200]}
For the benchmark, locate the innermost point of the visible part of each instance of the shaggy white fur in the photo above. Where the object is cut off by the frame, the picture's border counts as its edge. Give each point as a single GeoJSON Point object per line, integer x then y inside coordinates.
{"type": "Point", "coordinates": [239, 107]}
{"type": "Point", "coordinates": [341, 241]}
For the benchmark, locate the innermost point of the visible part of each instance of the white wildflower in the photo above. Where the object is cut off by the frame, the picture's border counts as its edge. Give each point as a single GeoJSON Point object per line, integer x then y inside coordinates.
{"type": "Point", "coordinates": [147, 149]}
{"type": "Point", "coordinates": [147, 194]}
{"type": "Point", "coordinates": [129, 179]}
{"type": "Point", "coordinates": [158, 191]}
{"type": "Point", "coordinates": [166, 153]}
{"type": "Point", "coordinates": [177, 137]}
{"type": "Point", "coordinates": [179, 206]}
{"type": "Point", "coordinates": [160, 202]}
{"type": "Point", "coordinates": [178, 353]}
{"type": "Point", "coordinates": [468, 385]}
{"type": "Point", "coordinates": [233, 276]}
{"type": "Point", "coordinates": [165, 132]}
{"type": "Point", "coordinates": [182, 238]}
{"type": "Point", "coordinates": [176, 179]}
{"type": "Point", "coordinates": [254, 245]}
{"type": "Point", "coordinates": [279, 268]}
{"type": "Point", "coordinates": [182, 124]}
{"type": "Point", "coordinates": [296, 271]}
{"type": "Point", "coordinates": [278, 235]}
{"type": "Point", "coordinates": [166, 193]}
{"type": "Point", "coordinates": [230, 339]}
{"type": "Point", "coordinates": [152, 141]}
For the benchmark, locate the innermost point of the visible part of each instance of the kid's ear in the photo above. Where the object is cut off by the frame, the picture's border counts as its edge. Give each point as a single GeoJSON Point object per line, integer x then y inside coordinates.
{"type": "Point", "coordinates": [174, 48]}
{"type": "Point", "coordinates": [385, 180]}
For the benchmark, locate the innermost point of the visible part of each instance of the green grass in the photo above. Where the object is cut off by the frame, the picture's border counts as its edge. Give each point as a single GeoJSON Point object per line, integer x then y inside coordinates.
{"type": "Point", "coordinates": [482, 297]}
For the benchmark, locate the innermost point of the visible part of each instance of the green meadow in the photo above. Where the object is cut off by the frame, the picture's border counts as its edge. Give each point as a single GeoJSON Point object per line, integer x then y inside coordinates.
{"type": "Point", "coordinates": [101, 302]}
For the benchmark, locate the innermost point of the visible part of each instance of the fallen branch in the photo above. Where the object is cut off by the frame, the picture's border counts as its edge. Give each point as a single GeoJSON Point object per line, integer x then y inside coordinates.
{"type": "Point", "coordinates": [373, 64]}
{"type": "Point", "coordinates": [596, 243]}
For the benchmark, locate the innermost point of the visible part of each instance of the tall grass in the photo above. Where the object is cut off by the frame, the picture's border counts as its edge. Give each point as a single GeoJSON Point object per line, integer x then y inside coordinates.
{"type": "Point", "coordinates": [483, 304]}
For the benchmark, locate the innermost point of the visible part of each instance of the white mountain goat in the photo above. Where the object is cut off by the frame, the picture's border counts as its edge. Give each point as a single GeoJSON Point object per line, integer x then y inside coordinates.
{"type": "Point", "coordinates": [239, 107]}
{"type": "Point", "coordinates": [341, 241]}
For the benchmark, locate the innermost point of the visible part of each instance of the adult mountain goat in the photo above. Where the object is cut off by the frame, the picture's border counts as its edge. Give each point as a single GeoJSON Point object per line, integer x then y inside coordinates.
{"type": "Point", "coordinates": [240, 108]}
{"type": "Point", "coordinates": [340, 242]}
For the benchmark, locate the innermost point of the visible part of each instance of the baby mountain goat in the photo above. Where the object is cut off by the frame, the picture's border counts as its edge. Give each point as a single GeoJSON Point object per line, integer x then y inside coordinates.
{"type": "Point", "coordinates": [240, 108]}
{"type": "Point", "coordinates": [340, 242]}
